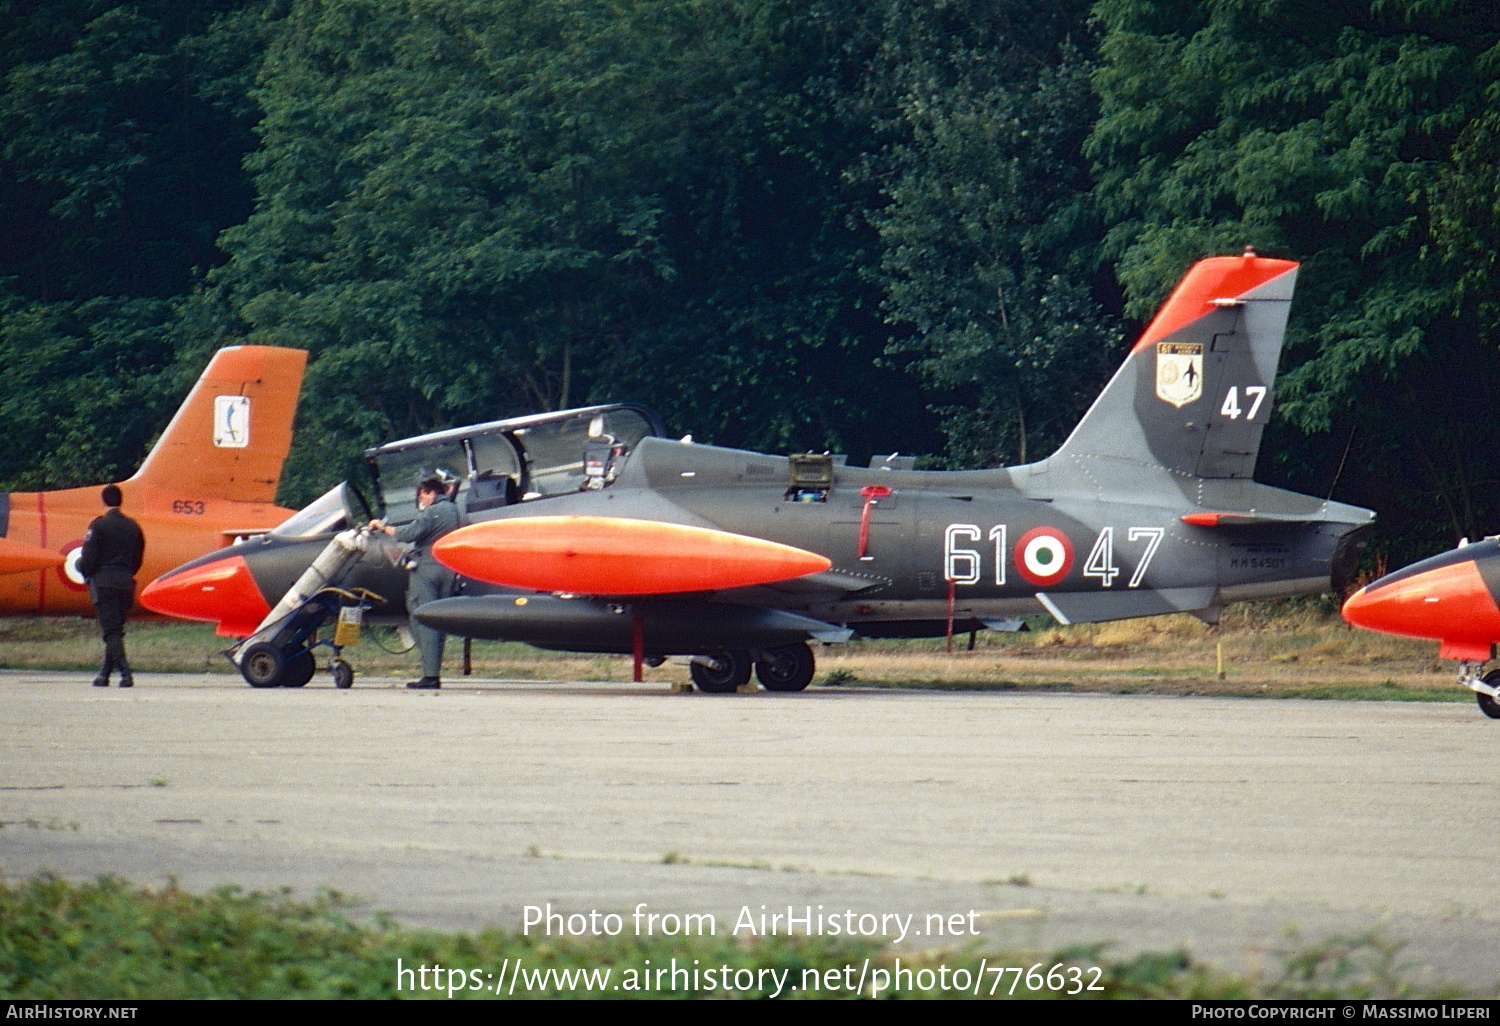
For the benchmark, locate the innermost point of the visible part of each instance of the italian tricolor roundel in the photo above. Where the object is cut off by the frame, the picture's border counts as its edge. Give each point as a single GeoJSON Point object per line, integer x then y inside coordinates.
{"type": "Point", "coordinates": [1044, 556]}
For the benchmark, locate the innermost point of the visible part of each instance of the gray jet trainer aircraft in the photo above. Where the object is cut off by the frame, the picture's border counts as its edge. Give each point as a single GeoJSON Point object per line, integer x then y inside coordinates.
{"type": "Point", "coordinates": [587, 531]}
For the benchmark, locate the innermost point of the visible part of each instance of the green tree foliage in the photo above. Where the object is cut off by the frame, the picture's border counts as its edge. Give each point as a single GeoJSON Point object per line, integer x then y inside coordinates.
{"type": "Point", "coordinates": [85, 383]}
{"type": "Point", "coordinates": [490, 207]}
{"type": "Point", "coordinates": [435, 222]}
{"type": "Point", "coordinates": [122, 127]}
{"type": "Point", "coordinates": [988, 257]}
{"type": "Point", "coordinates": [1357, 136]}
{"type": "Point", "coordinates": [822, 224]}
{"type": "Point", "coordinates": [770, 330]}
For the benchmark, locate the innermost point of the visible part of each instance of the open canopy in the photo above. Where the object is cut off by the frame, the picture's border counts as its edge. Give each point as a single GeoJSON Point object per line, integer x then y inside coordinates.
{"type": "Point", "coordinates": [516, 460]}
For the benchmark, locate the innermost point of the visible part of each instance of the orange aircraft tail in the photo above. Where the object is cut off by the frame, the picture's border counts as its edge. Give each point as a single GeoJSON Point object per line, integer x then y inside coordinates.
{"type": "Point", "coordinates": [232, 434]}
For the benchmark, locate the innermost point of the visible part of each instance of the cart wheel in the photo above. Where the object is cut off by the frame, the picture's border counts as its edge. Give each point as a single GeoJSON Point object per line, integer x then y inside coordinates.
{"type": "Point", "coordinates": [263, 665]}
{"type": "Point", "coordinates": [343, 674]}
{"type": "Point", "coordinates": [299, 670]}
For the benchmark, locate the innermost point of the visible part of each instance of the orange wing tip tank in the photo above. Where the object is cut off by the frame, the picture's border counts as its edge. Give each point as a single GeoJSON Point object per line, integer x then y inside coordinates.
{"type": "Point", "coordinates": [18, 557]}
{"type": "Point", "coordinates": [212, 591]}
{"type": "Point", "coordinates": [589, 555]}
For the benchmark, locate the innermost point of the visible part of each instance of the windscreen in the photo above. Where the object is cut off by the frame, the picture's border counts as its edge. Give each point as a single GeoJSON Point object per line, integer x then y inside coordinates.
{"type": "Point", "coordinates": [324, 515]}
{"type": "Point", "coordinates": [554, 451]}
{"type": "Point", "coordinates": [400, 472]}
{"type": "Point", "coordinates": [494, 455]}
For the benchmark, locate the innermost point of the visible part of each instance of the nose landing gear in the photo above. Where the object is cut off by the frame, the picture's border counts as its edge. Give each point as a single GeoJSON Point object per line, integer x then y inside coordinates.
{"type": "Point", "coordinates": [1486, 689]}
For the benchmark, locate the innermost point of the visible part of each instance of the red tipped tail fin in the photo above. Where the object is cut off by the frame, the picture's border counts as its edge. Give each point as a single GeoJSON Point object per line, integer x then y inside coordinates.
{"type": "Point", "coordinates": [1196, 391]}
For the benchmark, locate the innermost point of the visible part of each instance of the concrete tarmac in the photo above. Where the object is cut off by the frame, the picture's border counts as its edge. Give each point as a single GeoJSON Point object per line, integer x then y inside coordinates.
{"type": "Point", "coordinates": [1146, 822]}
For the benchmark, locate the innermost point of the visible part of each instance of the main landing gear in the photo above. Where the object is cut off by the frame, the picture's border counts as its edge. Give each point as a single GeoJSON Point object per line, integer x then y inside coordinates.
{"type": "Point", "coordinates": [1486, 689]}
{"type": "Point", "coordinates": [783, 668]}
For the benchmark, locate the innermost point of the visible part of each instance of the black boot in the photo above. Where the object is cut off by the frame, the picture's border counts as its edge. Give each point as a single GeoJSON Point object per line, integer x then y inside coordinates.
{"type": "Point", "coordinates": [117, 654]}
{"type": "Point", "coordinates": [102, 680]}
{"type": "Point", "coordinates": [425, 684]}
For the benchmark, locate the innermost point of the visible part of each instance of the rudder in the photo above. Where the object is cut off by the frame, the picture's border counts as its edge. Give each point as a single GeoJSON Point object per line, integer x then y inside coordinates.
{"type": "Point", "coordinates": [231, 435]}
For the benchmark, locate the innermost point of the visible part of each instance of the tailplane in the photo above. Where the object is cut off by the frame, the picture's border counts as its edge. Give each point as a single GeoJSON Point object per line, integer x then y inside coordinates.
{"type": "Point", "coordinates": [232, 434]}
{"type": "Point", "coordinates": [1196, 391]}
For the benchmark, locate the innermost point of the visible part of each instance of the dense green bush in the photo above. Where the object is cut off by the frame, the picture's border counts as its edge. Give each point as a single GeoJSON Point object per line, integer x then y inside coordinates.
{"type": "Point", "coordinates": [109, 940]}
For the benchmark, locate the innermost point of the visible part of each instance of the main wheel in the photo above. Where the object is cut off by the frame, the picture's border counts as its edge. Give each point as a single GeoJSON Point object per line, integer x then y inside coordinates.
{"type": "Point", "coordinates": [785, 668]}
{"type": "Point", "coordinates": [343, 674]}
{"type": "Point", "coordinates": [299, 670]}
{"type": "Point", "coordinates": [263, 665]}
{"type": "Point", "coordinates": [729, 669]}
{"type": "Point", "coordinates": [1488, 705]}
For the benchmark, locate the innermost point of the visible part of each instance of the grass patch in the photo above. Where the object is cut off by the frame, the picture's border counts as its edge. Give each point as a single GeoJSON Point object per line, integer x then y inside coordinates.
{"type": "Point", "coordinates": [110, 940]}
{"type": "Point", "coordinates": [1388, 692]}
{"type": "Point", "coordinates": [59, 643]}
{"type": "Point", "coordinates": [1281, 649]}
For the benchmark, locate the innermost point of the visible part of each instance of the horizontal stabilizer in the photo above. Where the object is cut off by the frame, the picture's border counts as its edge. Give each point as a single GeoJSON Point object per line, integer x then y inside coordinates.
{"type": "Point", "coordinates": [1097, 606]}
{"type": "Point", "coordinates": [1253, 519]}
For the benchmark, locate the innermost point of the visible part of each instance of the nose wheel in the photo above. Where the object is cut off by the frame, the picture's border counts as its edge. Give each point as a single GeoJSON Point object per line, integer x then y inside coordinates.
{"type": "Point", "coordinates": [1487, 703]}
{"type": "Point", "coordinates": [1486, 689]}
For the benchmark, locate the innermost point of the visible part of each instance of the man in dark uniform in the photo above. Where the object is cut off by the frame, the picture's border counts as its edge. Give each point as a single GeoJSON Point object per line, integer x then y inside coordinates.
{"type": "Point", "coordinates": [112, 551]}
{"type": "Point", "coordinates": [430, 580]}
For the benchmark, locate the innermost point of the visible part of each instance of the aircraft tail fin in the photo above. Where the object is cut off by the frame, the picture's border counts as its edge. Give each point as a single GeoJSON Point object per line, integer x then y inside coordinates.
{"type": "Point", "coordinates": [1196, 391]}
{"type": "Point", "coordinates": [232, 433]}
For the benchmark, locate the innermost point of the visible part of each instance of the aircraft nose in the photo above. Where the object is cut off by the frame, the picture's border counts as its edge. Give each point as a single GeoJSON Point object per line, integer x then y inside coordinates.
{"type": "Point", "coordinates": [1373, 611]}
{"type": "Point", "coordinates": [223, 590]}
{"type": "Point", "coordinates": [1450, 604]}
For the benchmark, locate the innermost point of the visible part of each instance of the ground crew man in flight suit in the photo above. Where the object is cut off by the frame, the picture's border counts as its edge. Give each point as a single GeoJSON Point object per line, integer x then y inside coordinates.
{"type": "Point", "coordinates": [429, 580]}
{"type": "Point", "coordinates": [112, 552]}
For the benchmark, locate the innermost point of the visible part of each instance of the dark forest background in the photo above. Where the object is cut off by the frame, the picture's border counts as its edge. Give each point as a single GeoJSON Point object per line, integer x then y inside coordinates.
{"type": "Point", "coordinates": [860, 225]}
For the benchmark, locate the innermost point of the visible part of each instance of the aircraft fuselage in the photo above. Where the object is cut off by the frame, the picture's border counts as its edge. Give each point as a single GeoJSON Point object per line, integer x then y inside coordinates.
{"type": "Point", "coordinates": [177, 528]}
{"type": "Point", "coordinates": [1001, 550]}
